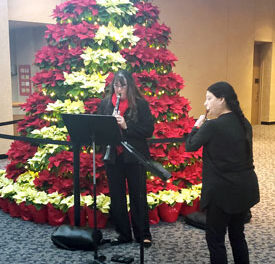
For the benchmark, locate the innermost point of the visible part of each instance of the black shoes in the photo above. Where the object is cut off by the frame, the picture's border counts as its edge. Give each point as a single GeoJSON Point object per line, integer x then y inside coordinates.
{"type": "Point", "coordinates": [118, 241]}
{"type": "Point", "coordinates": [147, 243]}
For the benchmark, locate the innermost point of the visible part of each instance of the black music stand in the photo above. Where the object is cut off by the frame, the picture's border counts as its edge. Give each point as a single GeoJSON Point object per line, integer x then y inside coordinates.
{"type": "Point", "coordinates": [86, 130]}
{"type": "Point", "coordinates": [102, 130]}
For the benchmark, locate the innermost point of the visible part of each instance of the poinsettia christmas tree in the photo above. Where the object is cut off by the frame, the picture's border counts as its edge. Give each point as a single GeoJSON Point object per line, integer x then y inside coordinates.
{"type": "Point", "coordinates": [90, 40]}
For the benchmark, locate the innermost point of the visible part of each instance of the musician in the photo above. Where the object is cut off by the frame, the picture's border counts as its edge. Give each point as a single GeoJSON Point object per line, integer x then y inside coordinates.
{"type": "Point", "coordinates": [229, 185]}
{"type": "Point", "coordinates": [136, 122]}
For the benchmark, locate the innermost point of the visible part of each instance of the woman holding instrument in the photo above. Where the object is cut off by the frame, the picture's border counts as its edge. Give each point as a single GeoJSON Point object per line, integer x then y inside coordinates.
{"type": "Point", "coordinates": [136, 123]}
{"type": "Point", "coordinates": [229, 183]}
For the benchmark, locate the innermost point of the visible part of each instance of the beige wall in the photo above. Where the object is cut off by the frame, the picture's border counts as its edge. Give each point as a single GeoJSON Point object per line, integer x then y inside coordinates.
{"type": "Point", "coordinates": [214, 40]}
{"type": "Point", "coordinates": [5, 88]}
{"type": "Point", "coordinates": [32, 10]}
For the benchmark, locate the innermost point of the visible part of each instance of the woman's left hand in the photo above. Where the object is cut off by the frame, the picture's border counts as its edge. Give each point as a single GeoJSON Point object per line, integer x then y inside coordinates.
{"type": "Point", "coordinates": [121, 121]}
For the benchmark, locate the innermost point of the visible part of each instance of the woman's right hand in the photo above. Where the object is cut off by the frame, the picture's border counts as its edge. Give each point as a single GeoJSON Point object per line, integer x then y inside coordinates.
{"type": "Point", "coordinates": [200, 121]}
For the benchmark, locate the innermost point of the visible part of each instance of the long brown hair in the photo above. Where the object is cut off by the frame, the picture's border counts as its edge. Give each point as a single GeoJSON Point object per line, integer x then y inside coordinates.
{"type": "Point", "coordinates": [133, 93]}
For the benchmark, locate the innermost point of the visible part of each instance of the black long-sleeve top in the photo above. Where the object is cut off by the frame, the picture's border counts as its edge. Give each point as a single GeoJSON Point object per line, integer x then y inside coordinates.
{"type": "Point", "coordinates": [229, 179]}
{"type": "Point", "coordinates": [137, 130]}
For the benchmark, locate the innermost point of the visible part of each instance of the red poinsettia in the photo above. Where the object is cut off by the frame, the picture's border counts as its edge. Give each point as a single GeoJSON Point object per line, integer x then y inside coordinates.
{"type": "Point", "coordinates": [62, 164]}
{"type": "Point", "coordinates": [171, 186]}
{"type": "Point", "coordinates": [142, 55]}
{"type": "Point", "coordinates": [14, 169]}
{"type": "Point", "coordinates": [180, 105]}
{"type": "Point", "coordinates": [83, 30]}
{"type": "Point", "coordinates": [73, 8]}
{"type": "Point", "coordinates": [191, 173]}
{"type": "Point", "coordinates": [36, 104]}
{"type": "Point", "coordinates": [178, 155]}
{"type": "Point", "coordinates": [64, 186]}
{"type": "Point", "coordinates": [154, 184]}
{"type": "Point", "coordinates": [91, 105]}
{"type": "Point", "coordinates": [48, 77]}
{"type": "Point", "coordinates": [157, 152]}
{"type": "Point", "coordinates": [109, 79]}
{"type": "Point", "coordinates": [156, 33]}
{"type": "Point", "coordinates": [57, 56]}
{"type": "Point", "coordinates": [157, 105]}
{"type": "Point", "coordinates": [171, 129]}
{"type": "Point", "coordinates": [30, 123]}
{"type": "Point", "coordinates": [169, 82]}
{"type": "Point", "coordinates": [58, 177]}
{"type": "Point", "coordinates": [146, 11]}
{"type": "Point", "coordinates": [21, 151]}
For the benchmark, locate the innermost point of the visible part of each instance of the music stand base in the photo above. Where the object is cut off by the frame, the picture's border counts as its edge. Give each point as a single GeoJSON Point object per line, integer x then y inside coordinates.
{"type": "Point", "coordinates": [99, 260]}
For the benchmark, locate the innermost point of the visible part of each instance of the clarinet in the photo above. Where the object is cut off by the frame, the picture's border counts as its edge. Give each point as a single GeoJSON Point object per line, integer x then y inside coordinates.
{"type": "Point", "coordinates": [107, 155]}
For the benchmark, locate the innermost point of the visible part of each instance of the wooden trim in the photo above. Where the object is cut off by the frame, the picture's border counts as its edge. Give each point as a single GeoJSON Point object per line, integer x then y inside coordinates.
{"type": "Point", "coordinates": [17, 104]}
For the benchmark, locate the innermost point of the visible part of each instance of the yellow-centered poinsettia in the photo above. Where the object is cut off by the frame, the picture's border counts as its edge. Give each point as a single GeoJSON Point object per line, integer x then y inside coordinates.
{"type": "Point", "coordinates": [95, 82]}
{"type": "Point", "coordinates": [68, 106]}
{"type": "Point", "coordinates": [112, 7]}
{"type": "Point", "coordinates": [102, 202]}
{"type": "Point", "coordinates": [116, 34]}
{"type": "Point", "coordinates": [102, 57]}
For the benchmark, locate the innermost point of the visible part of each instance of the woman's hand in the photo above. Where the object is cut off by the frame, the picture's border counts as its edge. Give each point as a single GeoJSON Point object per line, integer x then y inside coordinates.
{"type": "Point", "coordinates": [200, 121]}
{"type": "Point", "coordinates": [121, 121]}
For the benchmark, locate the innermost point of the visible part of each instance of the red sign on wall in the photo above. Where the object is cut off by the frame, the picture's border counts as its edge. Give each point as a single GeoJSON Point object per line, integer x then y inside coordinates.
{"type": "Point", "coordinates": [25, 88]}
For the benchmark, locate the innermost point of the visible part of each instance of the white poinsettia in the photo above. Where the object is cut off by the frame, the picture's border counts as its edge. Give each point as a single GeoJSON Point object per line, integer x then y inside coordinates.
{"type": "Point", "coordinates": [186, 195]}
{"type": "Point", "coordinates": [42, 155]}
{"type": "Point", "coordinates": [7, 191]}
{"type": "Point", "coordinates": [95, 82]}
{"type": "Point", "coordinates": [112, 2]}
{"type": "Point", "coordinates": [153, 200]}
{"type": "Point", "coordinates": [168, 196]}
{"type": "Point", "coordinates": [102, 57]}
{"type": "Point", "coordinates": [97, 62]}
{"type": "Point", "coordinates": [69, 201]}
{"type": "Point", "coordinates": [27, 178]}
{"type": "Point", "coordinates": [39, 198]}
{"type": "Point", "coordinates": [112, 7]}
{"type": "Point", "coordinates": [68, 106]}
{"type": "Point", "coordinates": [88, 200]}
{"type": "Point", "coordinates": [53, 132]}
{"type": "Point", "coordinates": [102, 202]}
{"type": "Point", "coordinates": [55, 198]}
{"type": "Point", "coordinates": [197, 187]}
{"type": "Point", "coordinates": [4, 181]}
{"type": "Point", "coordinates": [20, 194]}
{"type": "Point", "coordinates": [116, 34]}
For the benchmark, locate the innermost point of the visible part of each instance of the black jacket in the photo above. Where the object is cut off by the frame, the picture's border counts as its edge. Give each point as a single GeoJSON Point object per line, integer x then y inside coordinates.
{"type": "Point", "coordinates": [229, 179]}
{"type": "Point", "coordinates": [137, 131]}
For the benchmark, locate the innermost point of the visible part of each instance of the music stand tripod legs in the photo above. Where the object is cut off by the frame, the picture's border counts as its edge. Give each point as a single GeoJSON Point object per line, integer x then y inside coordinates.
{"type": "Point", "coordinates": [97, 235]}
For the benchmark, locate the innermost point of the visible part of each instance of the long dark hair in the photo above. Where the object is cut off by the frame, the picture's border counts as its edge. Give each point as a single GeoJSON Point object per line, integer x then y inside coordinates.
{"type": "Point", "coordinates": [226, 91]}
{"type": "Point", "coordinates": [133, 93]}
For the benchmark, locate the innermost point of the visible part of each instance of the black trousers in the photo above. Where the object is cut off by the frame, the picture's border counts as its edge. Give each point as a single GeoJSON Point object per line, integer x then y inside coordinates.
{"type": "Point", "coordinates": [135, 175]}
{"type": "Point", "coordinates": [217, 223]}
